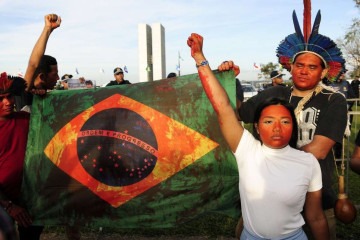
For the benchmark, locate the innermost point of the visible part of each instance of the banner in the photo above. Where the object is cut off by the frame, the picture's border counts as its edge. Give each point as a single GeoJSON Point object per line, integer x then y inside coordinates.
{"type": "Point", "coordinates": [141, 155]}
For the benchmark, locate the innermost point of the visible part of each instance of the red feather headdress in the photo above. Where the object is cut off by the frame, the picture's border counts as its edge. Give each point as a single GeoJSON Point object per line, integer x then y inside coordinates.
{"type": "Point", "coordinates": [11, 84]}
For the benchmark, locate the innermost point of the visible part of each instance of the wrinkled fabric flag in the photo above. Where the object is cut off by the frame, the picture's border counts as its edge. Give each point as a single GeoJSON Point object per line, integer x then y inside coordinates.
{"type": "Point", "coordinates": [140, 155]}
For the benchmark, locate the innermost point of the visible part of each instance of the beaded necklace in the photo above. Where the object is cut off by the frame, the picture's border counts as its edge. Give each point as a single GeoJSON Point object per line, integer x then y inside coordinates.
{"type": "Point", "coordinates": [305, 100]}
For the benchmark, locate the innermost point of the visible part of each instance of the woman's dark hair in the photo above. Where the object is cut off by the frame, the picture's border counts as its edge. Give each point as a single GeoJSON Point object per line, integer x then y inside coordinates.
{"type": "Point", "coordinates": [277, 101]}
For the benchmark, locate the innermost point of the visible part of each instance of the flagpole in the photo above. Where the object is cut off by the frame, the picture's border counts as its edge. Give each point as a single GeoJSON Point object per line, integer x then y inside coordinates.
{"type": "Point", "coordinates": [179, 63]}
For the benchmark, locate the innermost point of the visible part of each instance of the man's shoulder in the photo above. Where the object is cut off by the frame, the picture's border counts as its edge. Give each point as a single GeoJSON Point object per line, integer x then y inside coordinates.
{"type": "Point", "coordinates": [331, 98]}
{"type": "Point", "coordinates": [112, 82]}
{"type": "Point", "coordinates": [328, 92]}
{"type": "Point", "coordinates": [355, 82]}
{"type": "Point", "coordinates": [269, 85]}
{"type": "Point", "coordinates": [276, 91]}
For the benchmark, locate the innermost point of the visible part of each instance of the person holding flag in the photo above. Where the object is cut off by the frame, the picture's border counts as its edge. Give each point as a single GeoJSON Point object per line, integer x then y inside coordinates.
{"type": "Point", "coordinates": [42, 75]}
{"type": "Point", "coordinates": [321, 113]}
{"type": "Point", "coordinates": [275, 179]}
{"type": "Point", "coordinates": [42, 70]}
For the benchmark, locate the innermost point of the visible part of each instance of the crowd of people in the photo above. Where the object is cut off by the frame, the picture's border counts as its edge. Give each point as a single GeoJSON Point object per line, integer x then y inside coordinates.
{"type": "Point", "coordinates": [285, 165]}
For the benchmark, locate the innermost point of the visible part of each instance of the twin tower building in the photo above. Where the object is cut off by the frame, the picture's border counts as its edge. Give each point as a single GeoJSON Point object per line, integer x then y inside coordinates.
{"type": "Point", "coordinates": [152, 62]}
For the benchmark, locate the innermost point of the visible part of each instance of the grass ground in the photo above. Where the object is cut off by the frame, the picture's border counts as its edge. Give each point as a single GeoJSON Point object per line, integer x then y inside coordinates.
{"type": "Point", "coordinates": [213, 226]}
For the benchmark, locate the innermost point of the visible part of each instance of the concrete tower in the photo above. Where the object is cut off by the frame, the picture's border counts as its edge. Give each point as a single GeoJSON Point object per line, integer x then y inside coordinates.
{"type": "Point", "coordinates": [152, 64]}
{"type": "Point", "coordinates": [145, 53]}
{"type": "Point", "coordinates": [158, 51]}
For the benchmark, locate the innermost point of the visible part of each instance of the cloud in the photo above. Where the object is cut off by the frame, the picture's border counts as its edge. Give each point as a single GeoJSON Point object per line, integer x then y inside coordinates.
{"type": "Point", "coordinates": [104, 34]}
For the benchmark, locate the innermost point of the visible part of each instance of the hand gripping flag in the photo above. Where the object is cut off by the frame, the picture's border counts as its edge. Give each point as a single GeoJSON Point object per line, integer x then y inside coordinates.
{"type": "Point", "coordinates": [140, 155]}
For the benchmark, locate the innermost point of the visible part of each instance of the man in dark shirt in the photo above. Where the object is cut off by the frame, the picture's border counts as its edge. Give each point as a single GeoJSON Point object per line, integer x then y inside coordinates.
{"type": "Point", "coordinates": [355, 86]}
{"type": "Point", "coordinates": [276, 79]}
{"type": "Point", "coordinates": [355, 158]}
{"type": "Point", "coordinates": [119, 78]}
{"type": "Point", "coordinates": [321, 113]}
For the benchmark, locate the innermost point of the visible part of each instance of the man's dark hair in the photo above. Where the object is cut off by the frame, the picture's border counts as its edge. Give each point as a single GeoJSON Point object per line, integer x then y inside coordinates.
{"type": "Point", "coordinates": [171, 75]}
{"type": "Point", "coordinates": [322, 62]}
{"type": "Point", "coordinates": [45, 64]}
{"type": "Point", "coordinates": [88, 82]}
{"type": "Point", "coordinates": [277, 101]}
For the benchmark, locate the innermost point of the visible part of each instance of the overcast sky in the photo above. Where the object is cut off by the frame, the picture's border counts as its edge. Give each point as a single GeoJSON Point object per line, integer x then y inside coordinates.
{"type": "Point", "coordinates": [103, 34]}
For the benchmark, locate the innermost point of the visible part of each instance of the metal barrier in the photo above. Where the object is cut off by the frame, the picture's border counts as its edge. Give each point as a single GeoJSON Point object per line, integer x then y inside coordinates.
{"type": "Point", "coordinates": [348, 143]}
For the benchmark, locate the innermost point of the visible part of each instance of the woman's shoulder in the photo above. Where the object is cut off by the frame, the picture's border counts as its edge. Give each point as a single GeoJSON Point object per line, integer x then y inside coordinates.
{"type": "Point", "coordinates": [303, 155]}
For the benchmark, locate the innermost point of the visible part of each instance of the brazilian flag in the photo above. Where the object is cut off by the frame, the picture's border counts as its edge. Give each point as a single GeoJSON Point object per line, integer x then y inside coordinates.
{"type": "Point", "coordinates": [141, 155]}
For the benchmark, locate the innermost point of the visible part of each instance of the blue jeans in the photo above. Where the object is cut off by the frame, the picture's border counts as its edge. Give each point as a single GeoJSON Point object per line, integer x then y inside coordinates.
{"type": "Point", "coordinates": [296, 235]}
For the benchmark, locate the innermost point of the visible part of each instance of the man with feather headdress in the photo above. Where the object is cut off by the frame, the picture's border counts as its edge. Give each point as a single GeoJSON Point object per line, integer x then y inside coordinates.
{"type": "Point", "coordinates": [41, 74]}
{"type": "Point", "coordinates": [321, 113]}
{"type": "Point", "coordinates": [14, 128]}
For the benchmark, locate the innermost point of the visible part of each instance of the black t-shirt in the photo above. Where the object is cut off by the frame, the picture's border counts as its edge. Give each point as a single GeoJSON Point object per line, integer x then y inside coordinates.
{"type": "Point", "coordinates": [272, 85]}
{"type": "Point", "coordinates": [325, 114]}
{"type": "Point", "coordinates": [113, 83]}
{"type": "Point", "coordinates": [239, 91]}
{"type": "Point", "coordinates": [22, 100]}
{"type": "Point", "coordinates": [357, 140]}
{"type": "Point", "coordinates": [355, 86]}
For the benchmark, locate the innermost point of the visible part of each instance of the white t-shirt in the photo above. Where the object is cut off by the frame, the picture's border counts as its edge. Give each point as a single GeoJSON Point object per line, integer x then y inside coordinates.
{"type": "Point", "coordinates": [273, 184]}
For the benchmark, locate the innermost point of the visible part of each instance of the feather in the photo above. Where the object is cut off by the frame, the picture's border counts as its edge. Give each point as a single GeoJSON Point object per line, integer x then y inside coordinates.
{"type": "Point", "coordinates": [5, 83]}
{"type": "Point", "coordinates": [307, 20]}
{"type": "Point", "coordinates": [316, 25]}
{"type": "Point", "coordinates": [11, 84]}
{"type": "Point", "coordinates": [297, 26]}
{"type": "Point", "coordinates": [288, 48]}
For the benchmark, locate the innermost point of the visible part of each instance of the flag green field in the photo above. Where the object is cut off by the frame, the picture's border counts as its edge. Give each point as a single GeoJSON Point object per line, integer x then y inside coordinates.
{"type": "Point", "coordinates": [131, 156]}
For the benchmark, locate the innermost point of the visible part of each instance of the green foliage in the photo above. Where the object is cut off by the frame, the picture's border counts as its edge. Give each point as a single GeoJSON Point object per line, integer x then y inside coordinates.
{"type": "Point", "coordinates": [357, 2]}
{"type": "Point", "coordinates": [350, 45]}
{"type": "Point", "coordinates": [266, 69]}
